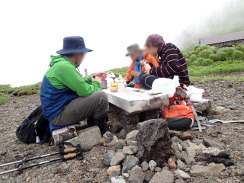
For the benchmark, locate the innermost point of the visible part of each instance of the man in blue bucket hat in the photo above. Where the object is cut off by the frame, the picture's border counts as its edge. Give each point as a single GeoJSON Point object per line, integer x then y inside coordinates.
{"type": "Point", "coordinates": [68, 98]}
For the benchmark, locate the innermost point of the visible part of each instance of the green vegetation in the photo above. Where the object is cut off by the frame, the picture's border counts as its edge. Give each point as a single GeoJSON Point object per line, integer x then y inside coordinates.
{"type": "Point", "coordinates": [22, 91]}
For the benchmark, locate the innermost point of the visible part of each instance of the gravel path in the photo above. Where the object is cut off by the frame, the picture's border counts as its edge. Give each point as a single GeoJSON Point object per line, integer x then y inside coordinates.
{"type": "Point", "coordinates": [223, 93]}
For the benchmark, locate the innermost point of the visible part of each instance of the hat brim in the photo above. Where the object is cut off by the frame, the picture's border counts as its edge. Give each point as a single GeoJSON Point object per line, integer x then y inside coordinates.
{"type": "Point", "coordinates": [73, 51]}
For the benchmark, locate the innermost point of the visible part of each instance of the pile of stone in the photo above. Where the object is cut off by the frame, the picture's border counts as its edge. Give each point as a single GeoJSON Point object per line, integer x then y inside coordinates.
{"type": "Point", "coordinates": [149, 155]}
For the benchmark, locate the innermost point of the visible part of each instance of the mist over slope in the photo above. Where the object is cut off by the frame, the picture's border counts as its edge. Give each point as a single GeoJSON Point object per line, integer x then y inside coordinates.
{"type": "Point", "coordinates": [226, 20]}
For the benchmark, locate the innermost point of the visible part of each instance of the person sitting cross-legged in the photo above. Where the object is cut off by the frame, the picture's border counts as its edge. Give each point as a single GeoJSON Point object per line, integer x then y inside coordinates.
{"type": "Point", "coordinates": [67, 97]}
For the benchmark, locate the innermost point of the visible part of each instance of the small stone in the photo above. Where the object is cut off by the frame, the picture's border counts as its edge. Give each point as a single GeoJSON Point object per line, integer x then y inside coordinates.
{"type": "Point", "coordinates": [129, 163]}
{"type": "Point", "coordinates": [180, 164]}
{"type": "Point", "coordinates": [158, 169]}
{"type": "Point", "coordinates": [233, 108]}
{"type": "Point", "coordinates": [137, 175]}
{"type": "Point", "coordinates": [186, 136]}
{"type": "Point", "coordinates": [182, 174]}
{"type": "Point", "coordinates": [148, 175]}
{"type": "Point", "coordinates": [179, 181]}
{"type": "Point", "coordinates": [108, 156]}
{"type": "Point", "coordinates": [126, 175]}
{"type": "Point", "coordinates": [165, 168]}
{"type": "Point", "coordinates": [191, 150]}
{"type": "Point", "coordinates": [117, 158]}
{"type": "Point", "coordinates": [117, 179]}
{"type": "Point", "coordinates": [211, 170]}
{"type": "Point", "coordinates": [220, 110]}
{"type": "Point", "coordinates": [145, 166]}
{"type": "Point", "coordinates": [197, 141]}
{"type": "Point", "coordinates": [109, 134]}
{"type": "Point", "coordinates": [120, 144]}
{"type": "Point", "coordinates": [114, 170]}
{"type": "Point", "coordinates": [134, 148]}
{"type": "Point", "coordinates": [171, 163]}
{"type": "Point", "coordinates": [189, 160]}
{"type": "Point", "coordinates": [162, 177]}
{"type": "Point", "coordinates": [108, 139]}
{"type": "Point", "coordinates": [212, 143]}
{"type": "Point", "coordinates": [127, 150]}
{"type": "Point", "coordinates": [211, 151]}
{"type": "Point", "coordinates": [112, 143]}
{"type": "Point", "coordinates": [132, 135]}
{"type": "Point", "coordinates": [152, 165]}
{"type": "Point", "coordinates": [224, 153]}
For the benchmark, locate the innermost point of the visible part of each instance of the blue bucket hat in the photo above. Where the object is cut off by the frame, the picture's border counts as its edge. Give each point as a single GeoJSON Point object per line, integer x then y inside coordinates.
{"type": "Point", "coordinates": [73, 44]}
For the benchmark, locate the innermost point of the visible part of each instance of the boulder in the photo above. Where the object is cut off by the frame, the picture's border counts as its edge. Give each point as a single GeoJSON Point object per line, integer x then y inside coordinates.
{"type": "Point", "coordinates": [153, 141]}
{"type": "Point", "coordinates": [211, 170]}
{"type": "Point", "coordinates": [117, 158]}
{"type": "Point", "coordinates": [87, 138]}
{"type": "Point", "coordinates": [162, 177]}
{"type": "Point", "coordinates": [137, 175]}
{"type": "Point", "coordinates": [129, 163]}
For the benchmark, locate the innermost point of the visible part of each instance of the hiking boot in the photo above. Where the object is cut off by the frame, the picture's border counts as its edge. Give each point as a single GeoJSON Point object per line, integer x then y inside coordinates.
{"type": "Point", "coordinates": [101, 123]}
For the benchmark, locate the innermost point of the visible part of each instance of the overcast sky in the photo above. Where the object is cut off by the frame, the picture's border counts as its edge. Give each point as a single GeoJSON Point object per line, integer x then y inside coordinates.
{"type": "Point", "coordinates": [31, 31]}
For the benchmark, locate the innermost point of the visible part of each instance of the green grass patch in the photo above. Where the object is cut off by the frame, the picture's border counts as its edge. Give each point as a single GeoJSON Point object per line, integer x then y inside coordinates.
{"type": "Point", "coordinates": [120, 71]}
{"type": "Point", "coordinates": [3, 98]}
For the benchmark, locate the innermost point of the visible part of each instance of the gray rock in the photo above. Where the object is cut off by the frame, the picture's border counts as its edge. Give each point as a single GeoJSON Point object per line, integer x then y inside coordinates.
{"type": "Point", "coordinates": [191, 150]}
{"type": "Point", "coordinates": [108, 156]}
{"type": "Point", "coordinates": [134, 148]}
{"type": "Point", "coordinates": [131, 136]}
{"type": "Point", "coordinates": [211, 170]}
{"type": "Point", "coordinates": [153, 141]}
{"type": "Point", "coordinates": [152, 165]}
{"type": "Point", "coordinates": [87, 138]}
{"type": "Point", "coordinates": [224, 153]}
{"type": "Point", "coordinates": [179, 154]}
{"type": "Point", "coordinates": [203, 106]}
{"type": "Point", "coordinates": [148, 175]}
{"type": "Point", "coordinates": [189, 160]}
{"type": "Point", "coordinates": [212, 143]}
{"type": "Point", "coordinates": [179, 181]}
{"type": "Point", "coordinates": [129, 163]}
{"type": "Point", "coordinates": [126, 175]}
{"type": "Point", "coordinates": [120, 144]}
{"type": "Point", "coordinates": [127, 150]}
{"type": "Point", "coordinates": [136, 175]}
{"type": "Point", "coordinates": [108, 139]}
{"type": "Point", "coordinates": [145, 166]}
{"type": "Point", "coordinates": [197, 141]}
{"type": "Point", "coordinates": [162, 177]}
{"type": "Point", "coordinates": [180, 164]}
{"type": "Point", "coordinates": [117, 158]}
{"type": "Point", "coordinates": [182, 174]}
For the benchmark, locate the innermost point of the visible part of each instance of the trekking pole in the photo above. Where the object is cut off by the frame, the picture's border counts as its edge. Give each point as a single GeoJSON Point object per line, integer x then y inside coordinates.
{"type": "Point", "coordinates": [61, 152]}
{"type": "Point", "coordinates": [196, 116]}
{"type": "Point", "coordinates": [77, 153]}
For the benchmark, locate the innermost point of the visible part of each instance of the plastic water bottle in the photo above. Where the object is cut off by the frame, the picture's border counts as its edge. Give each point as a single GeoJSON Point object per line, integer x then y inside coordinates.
{"type": "Point", "coordinates": [120, 83]}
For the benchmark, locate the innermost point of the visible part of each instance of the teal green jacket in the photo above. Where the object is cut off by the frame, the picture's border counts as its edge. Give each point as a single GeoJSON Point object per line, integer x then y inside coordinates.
{"type": "Point", "coordinates": [61, 84]}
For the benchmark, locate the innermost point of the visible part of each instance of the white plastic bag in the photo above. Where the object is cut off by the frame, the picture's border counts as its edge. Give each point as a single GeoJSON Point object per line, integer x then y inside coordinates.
{"type": "Point", "coordinates": [166, 85]}
{"type": "Point", "coordinates": [194, 94]}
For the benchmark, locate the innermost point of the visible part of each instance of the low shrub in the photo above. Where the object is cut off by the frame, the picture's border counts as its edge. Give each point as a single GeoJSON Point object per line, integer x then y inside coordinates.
{"type": "Point", "coordinates": [193, 57]}
{"type": "Point", "coordinates": [205, 53]}
{"type": "Point", "coordinates": [188, 61]}
{"type": "Point", "coordinates": [213, 57]}
{"type": "Point", "coordinates": [206, 62]}
{"type": "Point", "coordinates": [221, 55]}
{"type": "Point", "coordinates": [197, 63]}
{"type": "Point", "coordinates": [227, 50]}
{"type": "Point", "coordinates": [237, 54]}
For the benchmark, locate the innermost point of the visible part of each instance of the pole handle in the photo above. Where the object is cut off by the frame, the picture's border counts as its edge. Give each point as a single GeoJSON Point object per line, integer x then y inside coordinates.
{"type": "Point", "coordinates": [69, 156]}
{"type": "Point", "coordinates": [73, 149]}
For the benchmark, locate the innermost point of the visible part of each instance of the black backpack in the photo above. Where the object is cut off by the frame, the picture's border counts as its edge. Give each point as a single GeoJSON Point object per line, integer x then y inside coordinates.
{"type": "Point", "coordinates": [34, 126]}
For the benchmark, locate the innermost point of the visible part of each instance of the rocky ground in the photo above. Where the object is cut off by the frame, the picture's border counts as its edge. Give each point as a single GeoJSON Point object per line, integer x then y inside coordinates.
{"type": "Point", "coordinates": [227, 94]}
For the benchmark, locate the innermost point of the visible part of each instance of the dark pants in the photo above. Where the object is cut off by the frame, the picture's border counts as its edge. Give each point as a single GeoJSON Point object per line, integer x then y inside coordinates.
{"type": "Point", "coordinates": [96, 106]}
{"type": "Point", "coordinates": [147, 80]}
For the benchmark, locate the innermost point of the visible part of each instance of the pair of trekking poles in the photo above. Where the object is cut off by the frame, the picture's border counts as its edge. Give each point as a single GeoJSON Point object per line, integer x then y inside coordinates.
{"type": "Point", "coordinates": [64, 154]}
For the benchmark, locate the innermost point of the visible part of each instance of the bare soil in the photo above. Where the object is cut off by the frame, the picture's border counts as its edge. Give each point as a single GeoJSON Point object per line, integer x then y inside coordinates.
{"type": "Point", "coordinates": [222, 93]}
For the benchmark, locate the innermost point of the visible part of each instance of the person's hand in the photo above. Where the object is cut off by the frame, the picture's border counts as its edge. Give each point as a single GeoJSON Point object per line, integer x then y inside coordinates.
{"type": "Point", "coordinates": [136, 74]}
{"type": "Point", "coordinates": [97, 79]}
{"type": "Point", "coordinates": [102, 75]}
{"type": "Point", "coordinates": [147, 69]}
{"type": "Point", "coordinates": [143, 62]}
